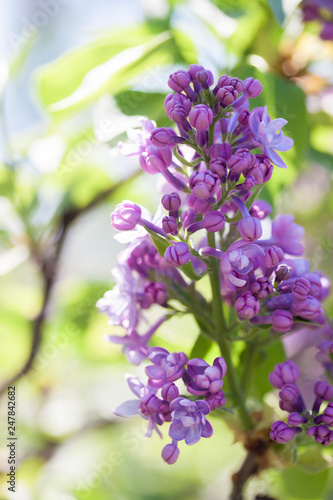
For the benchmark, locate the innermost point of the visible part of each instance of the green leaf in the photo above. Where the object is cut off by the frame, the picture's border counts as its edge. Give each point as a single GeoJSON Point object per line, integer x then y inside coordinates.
{"type": "Point", "coordinates": [266, 359]}
{"type": "Point", "coordinates": [161, 243]}
{"type": "Point", "coordinates": [299, 484]}
{"type": "Point", "coordinates": [277, 9]}
{"type": "Point", "coordinates": [98, 73]}
{"type": "Point", "coordinates": [132, 103]}
{"type": "Point", "coordinates": [188, 270]}
{"type": "Point", "coordinates": [312, 461]}
{"type": "Point", "coordinates": [201, 347]}
{"type": "Point", "coordinates": [185, 162]}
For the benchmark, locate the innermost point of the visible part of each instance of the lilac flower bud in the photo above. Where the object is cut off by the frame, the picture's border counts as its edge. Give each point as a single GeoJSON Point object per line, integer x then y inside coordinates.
{"type": "Point", "coordinates": [282, 320]}
{"type": "Point", "coordinates": [327, 417]}
{"type": "Point", "coordinates": [155, 160]}
{"type": "Point", "coordinates": [249, 183]}
{"type": "Point", "coordinates": [178, 254]}
{"type": "Point", "coordinates": [289, 407]}
{"type": "Point", "coordinates": [323, 390]}
{"type": "Point", "coordinates": [179, 81]}
{"type": "Point", "coordinates": [205, 78]}
{"type": "Point", "coordinates": [247, 306]}
{"type": "Point", "coordinates": [281, 432]}
{"type": "Point", "coordinates": [223, 81]}
{"type": "Point", "coordinates": [200, 206]}
{"type": "Point", "coordinates": [308, 308]}
{"type": "Point", "coordinates": [169, 225]}
{"type": "Point", "coordinates": [260, 209]}
{"type": "Point", "coordinates": [295, 419]}
{"type": "Point", "coordinates": [273, 257]}
{"type": "Point", "coordinates": [204, 184]}
{"type": "Point", "coordinates": [237, 84]}
{"type": "Point", "coordinates": [170, 453]}
{"type": "Point", "coordinates": [126, 216]}
{"type": "Point", "coordinates": [284, 373]}
{"type": "Point", "coordinates": [221, 151]}
{"type": "Point", "coordinates": [242, 160]}
{"type": "Point", "coordinates": [283, 272]}
{"type": "Point", "coordinates": [250, 228]}
{"type": "Point", "coordinates": [171, 202]}
{"type": "Point", "coordinates": [219, 167]}
{"type": "Point", "coordinates": [161, 137]}
{"type": "Point", "coordinates": [193, 70]}
{"type": "Point", "coordinates": [214, 221]}
{"type": "Point", "coordinates": [243, 118]}
{"type": "Point", "coordinates": [261, 170]}
{"type": "Point", "coordinates": [149, 405]}
{"type": "Point", "coordinates": [321, 433]}
{"type": "Point", "coordinates": [289, 393]}
{"type": "Point", "coordinates": [177, 107]}
{"type": "Point", "coordinates": [216, 400]}
{"type": "Point", "coordinates": [227, 95]}
{"type": "Point", "coordinates": [201, 117]}
{"type": "Point", "coordinates": [169, 391]}
{"type": "Point", "coordinates": [315, 284]}
{"type": "Point", "coordinates": [301, 288]}
{"type": "Point", "coordinates": [155, 293]}
{"type": "Point", "coordinates": [252, 87]}
{"type": "Point", "coordinates": [261, 288]}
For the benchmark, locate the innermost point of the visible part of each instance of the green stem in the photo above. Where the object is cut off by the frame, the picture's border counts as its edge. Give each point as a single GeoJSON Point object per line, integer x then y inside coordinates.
{"type": "Point", "coordinates": [220, 337]}
{"type": "Point", "coordinates": [248, 366]}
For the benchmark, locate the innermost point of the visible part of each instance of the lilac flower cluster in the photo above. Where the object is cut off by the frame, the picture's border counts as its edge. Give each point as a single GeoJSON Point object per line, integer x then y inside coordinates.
{"type": "Point", "coordinates": [187, 417]}
{"type": "Point", "coordinates": [322, 11]}
{"type": "Point", "coordinates": [214, 159]}
{"type": "Point", "coordinates": [316, 424]}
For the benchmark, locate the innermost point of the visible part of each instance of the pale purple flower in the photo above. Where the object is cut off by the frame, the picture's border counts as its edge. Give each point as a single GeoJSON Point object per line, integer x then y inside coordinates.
{"type": "Point", "coordinates": [120, 303]}
{"type": "Point", "coordinates": [139, 137]}
{"type": "Point", "coordinates": [268, 135]}
{"type": "Point", "coordinates": [135, 346]}
{"type": "Point", "coordinates": [126, 216]}
{"type": "Point", "coordinates": [148, 405]}
{"type": "Point", "coordinates": [189, 420]}
{"type": "Point", "coordinates": [286, 234]}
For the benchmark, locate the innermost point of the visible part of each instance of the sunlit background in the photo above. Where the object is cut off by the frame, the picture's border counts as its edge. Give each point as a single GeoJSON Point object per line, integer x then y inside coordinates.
{"type": "Point", "coordinates": [74, 75]}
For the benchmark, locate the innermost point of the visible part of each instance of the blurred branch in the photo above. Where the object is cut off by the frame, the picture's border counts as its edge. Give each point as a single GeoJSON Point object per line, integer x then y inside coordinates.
{"type": "Point", "coordinates": [254, 462]}
{"type": "Point", "coordinates": [49, 266]}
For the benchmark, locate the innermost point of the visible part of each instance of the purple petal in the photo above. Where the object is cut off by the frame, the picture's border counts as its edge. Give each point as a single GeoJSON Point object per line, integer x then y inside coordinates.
{"type": "Point", "coordinates": [197, 366]}
{"type": "Point", "coordinates": [275, 158]}
{"type": "Point", "coordinates": [203, 407]}
{"type": "Point", "coordinates": [284, 145]}
{"type": "Point", "coordinates": [177, 431]}
{"type": "Point", "coordinates": [128, 409]}
{"type": "Point", "coordinates": [157, 354]}
{"type": "Point", "coordinates": [194, 389]}
{"type": "Point", "coordinates": [276, 125]}
{"type": "Point", "coordinates": [136, 386]}
{"type": "Point", "coordinates": [134, 355]}
{"type": "Point", "coordinates": [193, 434]}
{"type": "Point", "coordinates": [206, 430]}
{"type": "Point", "coordinates": [155, 371]}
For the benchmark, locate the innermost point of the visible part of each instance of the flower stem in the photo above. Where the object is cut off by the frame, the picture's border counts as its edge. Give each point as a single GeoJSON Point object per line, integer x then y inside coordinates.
{"type": "Point", "coordinates": [220, 337]}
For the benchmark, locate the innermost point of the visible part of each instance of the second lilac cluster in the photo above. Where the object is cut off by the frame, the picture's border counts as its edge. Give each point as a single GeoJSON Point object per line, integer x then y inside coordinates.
{"type": "Point", "coordinates": [318, 425]}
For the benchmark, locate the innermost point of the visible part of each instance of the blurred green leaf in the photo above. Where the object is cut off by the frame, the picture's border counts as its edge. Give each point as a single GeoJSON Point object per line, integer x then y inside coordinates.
{"type": "Point", "coordinates": [132, 103]}
{"type": "Point", "coordinates": [201, 347]}
{"type": "Point", "coordinates": [110, 71]}
{"type": "Point", "coordinates": [311, 460]}
{"type": "Point", "coordinates": [266, 359]}
{"type": "Point", "coordinates": [297, 483]}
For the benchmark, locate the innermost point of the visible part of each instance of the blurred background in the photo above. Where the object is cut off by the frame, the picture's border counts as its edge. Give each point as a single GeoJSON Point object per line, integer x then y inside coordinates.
{"type": "Point", "coordinates": [74, 76]}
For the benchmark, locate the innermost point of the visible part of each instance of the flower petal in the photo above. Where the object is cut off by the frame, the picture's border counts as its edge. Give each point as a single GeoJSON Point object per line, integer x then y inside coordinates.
{"type": "Point", "coordinates": [128, 409]}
